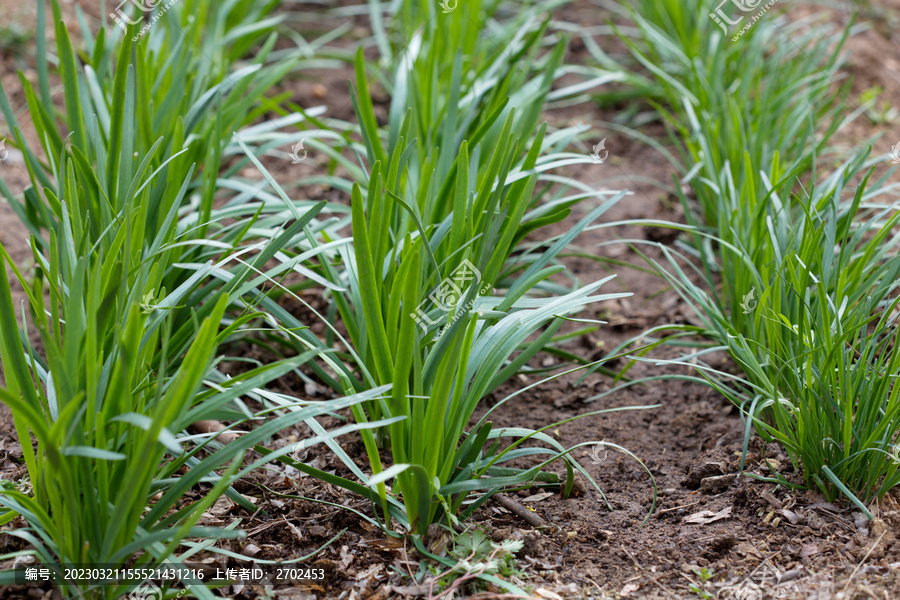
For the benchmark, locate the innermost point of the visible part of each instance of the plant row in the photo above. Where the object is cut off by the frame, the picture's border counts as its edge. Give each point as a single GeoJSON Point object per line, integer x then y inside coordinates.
{"type": "Point", "coordinates": [157, 261]}
{"type": "Point", "coordinates": [789, 256]}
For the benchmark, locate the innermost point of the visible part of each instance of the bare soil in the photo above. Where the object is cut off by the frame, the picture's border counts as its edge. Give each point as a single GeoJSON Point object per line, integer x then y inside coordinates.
{"type": "Point", "coordinates": [749, 536]}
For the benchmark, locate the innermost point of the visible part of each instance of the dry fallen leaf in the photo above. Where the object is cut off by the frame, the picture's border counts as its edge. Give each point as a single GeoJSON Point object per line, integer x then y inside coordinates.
{"type": "Point", "coordinates": [808, 550]}
{"type": "Point", "coordinates": [538, 497]}
{"type": "Point", "coordinates": [410, 590]}
{"type": "Point", "coordinates": [545, 593]}
{"type": "Point", "coordinates": [390, 544]}
{"type": "Point", "coordinates": [772, 500]}
{"type": "Point", "coordinates": [371, 574]}
{"type": "Point", "coordinates": [630, 587]}
{"type": "Point", "coordinates": [295, 529]}
{"type": "Point", "coordinates": [746, 549]}
{"type": "Point", "coordinates": [705, 517]}
{"type": "Point", "coordinates": [346, 557]}
{"type": "Point", "coordinates": [221, 507]}
{"type": "Point", "coordinates": [790, 515]}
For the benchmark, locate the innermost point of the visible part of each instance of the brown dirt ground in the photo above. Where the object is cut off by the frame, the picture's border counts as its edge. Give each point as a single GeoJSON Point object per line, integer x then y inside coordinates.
{"type": "Point", "coordinates": [586, 550]}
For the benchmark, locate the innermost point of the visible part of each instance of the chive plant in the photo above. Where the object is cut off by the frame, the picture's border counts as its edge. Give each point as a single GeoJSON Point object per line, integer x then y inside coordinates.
{"type": "Point", "coordinates": [808, 269]}
{"type": "Point", "coordinates": [180, 101]}
{"type": "Point", "coordinates": [141, 279]}
{"type": "Point", "coordinates": [139, 282]}
{"type": "Point", "coordinates": [101, 414]}
{"type": "Point", "coordinates": [451, 187]}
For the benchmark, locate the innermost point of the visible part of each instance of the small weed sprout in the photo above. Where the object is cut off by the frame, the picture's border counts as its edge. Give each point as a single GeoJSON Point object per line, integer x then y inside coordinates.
{"type": "Point", "coordinates": [477, 555]}
{"type": "Point", "coordinates": [700, 588]}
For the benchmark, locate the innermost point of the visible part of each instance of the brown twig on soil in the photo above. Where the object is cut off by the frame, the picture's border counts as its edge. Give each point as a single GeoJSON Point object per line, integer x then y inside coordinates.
{"type": "Point", "coordinates": [665, 510]}
{"type": "Point", "coordinates": [514, 507]}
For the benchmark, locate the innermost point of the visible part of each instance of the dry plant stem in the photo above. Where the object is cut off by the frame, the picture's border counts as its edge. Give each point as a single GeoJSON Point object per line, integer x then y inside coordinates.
{"type": "Point", "coordinates": [863, 561]}
{"type": "Point", "coordinates": [210, 426]}
{"type": "Point", "coordinates": [514, 507]}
